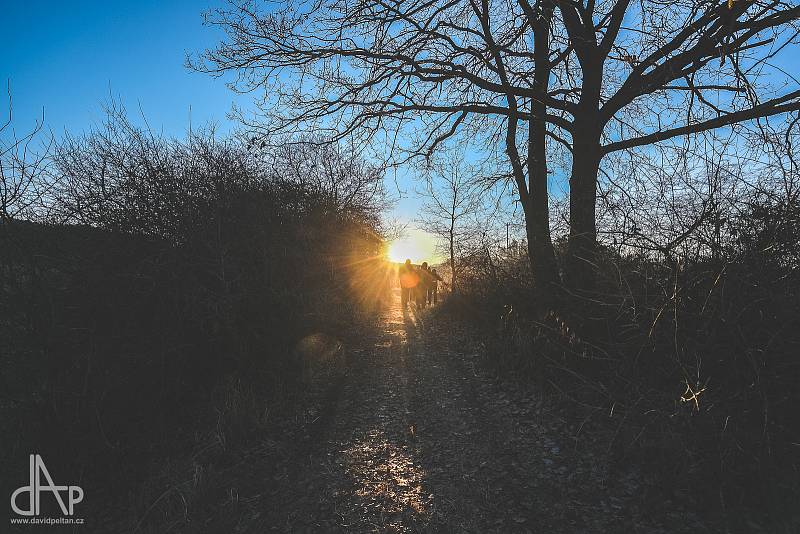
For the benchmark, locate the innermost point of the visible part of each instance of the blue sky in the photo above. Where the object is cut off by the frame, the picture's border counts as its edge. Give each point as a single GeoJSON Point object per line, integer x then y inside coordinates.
{"type": "Point", "coordinates": [69, 57]}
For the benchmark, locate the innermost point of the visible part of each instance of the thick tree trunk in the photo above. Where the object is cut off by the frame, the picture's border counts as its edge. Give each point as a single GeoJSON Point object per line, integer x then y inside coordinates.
{"type": "Point", "coordinates": [540, 245]}
{"type": "Point", "coordinates": [581, 256]}
{"type": "Point", "coordinates": [545, 274]}
{"type": "Point", "coordinates": [453, 277]}
{"type": "Point", "coordinates": [537, 211]}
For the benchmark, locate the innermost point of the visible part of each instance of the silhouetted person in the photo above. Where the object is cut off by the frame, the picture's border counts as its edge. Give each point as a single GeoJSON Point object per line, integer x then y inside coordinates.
{"type": "Point", "coordinates": [433, 291]}
{"type": "Point", "coordinates": [425, 280]}
{"type": "Point", "coordinates": [409, 280]}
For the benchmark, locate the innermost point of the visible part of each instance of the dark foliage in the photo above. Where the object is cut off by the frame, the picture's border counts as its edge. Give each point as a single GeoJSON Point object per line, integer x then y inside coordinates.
{"type": "Point", "coordinates": [691, 364]}
{"type": "Point", "coordinates": [155, 310]}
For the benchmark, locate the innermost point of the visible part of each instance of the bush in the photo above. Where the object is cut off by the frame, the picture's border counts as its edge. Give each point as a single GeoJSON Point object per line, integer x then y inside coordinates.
{"type": "Point", "coordinates": [157, 306]}
{"type": "Point", "coordinates": [692, 360]}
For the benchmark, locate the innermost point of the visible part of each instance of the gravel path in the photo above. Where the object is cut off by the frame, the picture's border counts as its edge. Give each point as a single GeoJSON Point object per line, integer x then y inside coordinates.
{"type": "Point", "coordinates": [412, 437]}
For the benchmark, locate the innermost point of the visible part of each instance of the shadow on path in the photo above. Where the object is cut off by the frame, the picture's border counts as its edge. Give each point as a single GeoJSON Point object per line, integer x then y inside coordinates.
{"type": "Point", "coordinates": [412, 437]}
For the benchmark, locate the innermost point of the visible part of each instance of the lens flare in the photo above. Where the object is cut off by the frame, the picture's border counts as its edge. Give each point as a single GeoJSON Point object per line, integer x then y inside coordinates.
{"type": "Point", "coordinates": [415, 245]}
{"type": "Point", "coordinates": [401, 249]}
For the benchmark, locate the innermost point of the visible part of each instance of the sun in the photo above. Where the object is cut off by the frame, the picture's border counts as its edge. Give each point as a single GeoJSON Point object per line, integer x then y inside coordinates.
{"type": "Point", "coordinates": [401, 249]}
{"type": "Point", "coordinates": [416, 245]}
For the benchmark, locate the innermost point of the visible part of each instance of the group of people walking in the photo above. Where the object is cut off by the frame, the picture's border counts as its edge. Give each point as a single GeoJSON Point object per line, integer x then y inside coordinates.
{"type": "Point", "coordinates": [418, 284]}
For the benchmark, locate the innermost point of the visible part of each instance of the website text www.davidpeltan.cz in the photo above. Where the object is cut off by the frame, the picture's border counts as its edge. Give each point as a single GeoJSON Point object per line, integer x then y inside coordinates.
{"type": "Point", "coordinates": [47, 521]}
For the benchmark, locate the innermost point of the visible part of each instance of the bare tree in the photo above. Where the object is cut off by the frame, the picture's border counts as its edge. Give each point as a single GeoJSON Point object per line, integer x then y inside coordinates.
{"type": "Point", "coordinates": [451, 202]}
{"type": "Point", "coordinates": [593, 77]}
{"type": "Point", "coordinates": [23, 177]}
{"type": "Point", "coordinates": [407, 76]}
{"type": "Point", "coordinates": [331, 171]}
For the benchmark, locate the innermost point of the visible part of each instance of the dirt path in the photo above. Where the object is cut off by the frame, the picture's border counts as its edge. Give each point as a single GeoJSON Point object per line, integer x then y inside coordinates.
{"type": "Point", "coordinates": [413, 438]}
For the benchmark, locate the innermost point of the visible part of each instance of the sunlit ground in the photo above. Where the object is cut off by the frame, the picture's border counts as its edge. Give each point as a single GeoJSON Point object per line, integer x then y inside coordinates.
{"type": "Point", "coordinates": [386, 476]}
